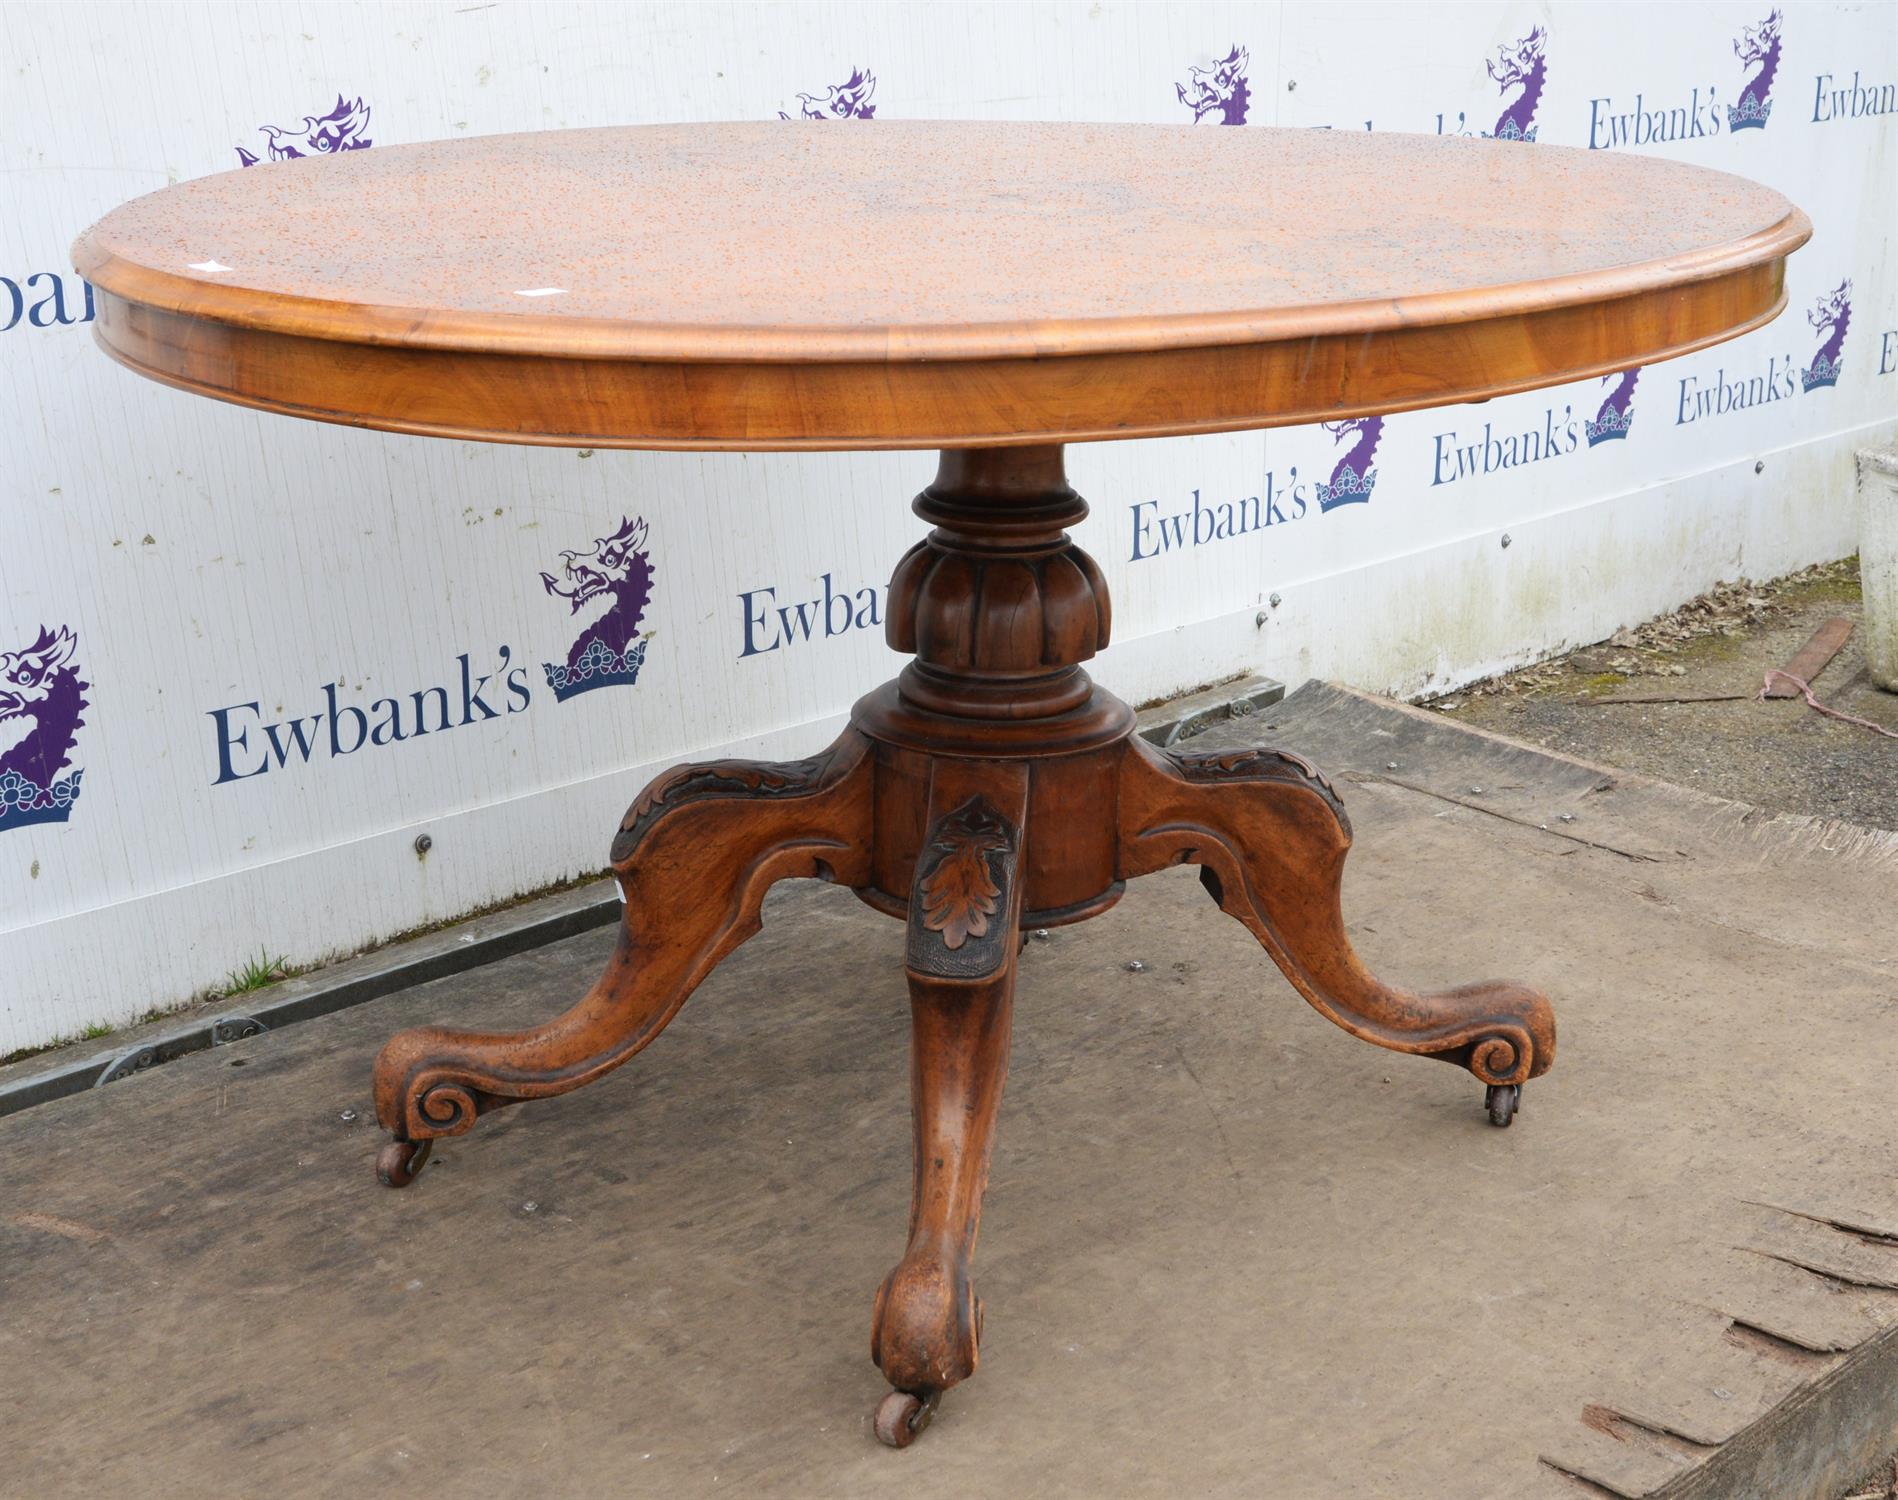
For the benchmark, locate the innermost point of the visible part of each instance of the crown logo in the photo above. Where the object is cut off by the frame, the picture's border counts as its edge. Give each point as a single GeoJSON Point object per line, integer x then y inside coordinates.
{"type": "Point", "coordinates": [1757, 47]}
{"type": "Point", "coordinates": [24, 801]}
{"type": "Point", "coordinates": [1354, 476]}
{"type": "Point", "coordinates": [41, 698]}
{"type": "Point", "coordinates": [1617, 409]}
{"type": "Point", "coordinates": [1822, 371]}
{"type": "Point", "coordinates": [1522, 64]}
{"type": "Point", "coordinates": [1610, 424]}
{"type": "Point", "coordinates": [1749, 114]}
{"type": "Point", "coordinates": [1347, 487]}
{"type": "Point", "coordinates": [1831, 316]}
{"type": "Point", "coordinates": [610, 650]}
{"type": "Point", "coordinates": [598, 666]}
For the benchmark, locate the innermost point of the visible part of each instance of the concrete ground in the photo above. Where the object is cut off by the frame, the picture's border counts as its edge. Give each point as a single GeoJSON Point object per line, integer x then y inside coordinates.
{"type": "Point", "coordinates": [1228, 1249]}
{"type": "Point", "coordinates": [1778, 754]}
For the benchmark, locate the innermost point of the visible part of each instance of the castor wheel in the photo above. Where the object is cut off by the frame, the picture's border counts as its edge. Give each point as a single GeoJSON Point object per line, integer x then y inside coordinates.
{"type": "Point", "coordinates": [901, 1415]}
{"type": "Point", "coordinates": [398, 1162]}
{"type": "Point", "coordinates": [1502, 1100]}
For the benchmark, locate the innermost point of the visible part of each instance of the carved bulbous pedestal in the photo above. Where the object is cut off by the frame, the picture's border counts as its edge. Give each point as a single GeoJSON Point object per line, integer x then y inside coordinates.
{"type": "Point", "coordinates": [991, 787]}
{"type": "Point", "coordinates": [997, 605]}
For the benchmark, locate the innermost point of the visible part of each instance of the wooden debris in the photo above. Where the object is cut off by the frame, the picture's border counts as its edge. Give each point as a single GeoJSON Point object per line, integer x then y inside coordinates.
{"type": "Point", "coordinates": [1812, 657]}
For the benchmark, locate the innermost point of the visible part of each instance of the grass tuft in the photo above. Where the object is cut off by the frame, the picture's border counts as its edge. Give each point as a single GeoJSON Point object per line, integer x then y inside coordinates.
{"type": "Point", "coordinates": [255, 973]}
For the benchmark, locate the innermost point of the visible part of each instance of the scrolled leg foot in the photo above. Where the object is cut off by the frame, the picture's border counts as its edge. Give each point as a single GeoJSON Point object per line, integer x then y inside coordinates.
{"type": "Point", "coordinates": [926, 1332]}
{"type": "Point", "coordinates": [1270, 836]}
{"type": "Point", "coordinates": [694, 858]}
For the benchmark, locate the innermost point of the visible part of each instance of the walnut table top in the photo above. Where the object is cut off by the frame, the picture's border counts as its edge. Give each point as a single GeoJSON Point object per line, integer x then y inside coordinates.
{"type": "Point", "coordinates": [887, 284]}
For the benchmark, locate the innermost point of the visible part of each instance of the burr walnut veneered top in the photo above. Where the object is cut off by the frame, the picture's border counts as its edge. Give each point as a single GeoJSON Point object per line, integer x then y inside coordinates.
{"type": "Point", "coordinates": [850, 284]}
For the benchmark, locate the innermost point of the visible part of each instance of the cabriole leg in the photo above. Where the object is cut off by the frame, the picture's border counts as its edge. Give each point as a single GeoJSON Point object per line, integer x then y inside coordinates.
{"type": "Point", "coordinates": [964, 935]}
{"type": "Point", "coordinates": [694, 857]}
{"type": "Point", "coordinates": [1270, 836]}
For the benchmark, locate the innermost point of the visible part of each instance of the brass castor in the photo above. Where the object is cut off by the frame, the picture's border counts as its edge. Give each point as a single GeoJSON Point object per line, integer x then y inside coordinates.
{"type": "Point", "coordinates": [1502, 1100]}
{"type": "Point", "coordinates": [901, 1415]}
{"type": "Point", "coordinates": [398, 1163]}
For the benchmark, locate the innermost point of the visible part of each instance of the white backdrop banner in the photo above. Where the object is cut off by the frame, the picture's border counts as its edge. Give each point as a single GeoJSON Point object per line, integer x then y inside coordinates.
{"type": "Point", "coordinates": [245, 661]}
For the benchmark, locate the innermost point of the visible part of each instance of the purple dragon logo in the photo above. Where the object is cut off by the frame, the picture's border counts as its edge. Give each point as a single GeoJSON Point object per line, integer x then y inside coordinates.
{"type": "Point", "coordinates": [1219, 93]}
{"type": "Point", "coordinates": [1352, 478]}
{"type": "Point", "coordinates": [1522, 64]}
{"type": "Point", "coordinates": [1831, 315]}
{"type": "Point", "coordinates": [41, 696]}
{"type": "Point", "coordinates": [1756, 45]}
{"type": "Point", "coordinates": [1617, 410]}
{"type": "Point", "coordinates": [319, 135]}
{"type": "Point", "coordinates": [849, 100]}
{"type": "Point", "coordinates": [610, 650]}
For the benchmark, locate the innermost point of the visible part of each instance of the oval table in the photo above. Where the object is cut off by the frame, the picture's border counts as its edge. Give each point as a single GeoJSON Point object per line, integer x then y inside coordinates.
{"type": "Point", "coordinates": [994, 291]}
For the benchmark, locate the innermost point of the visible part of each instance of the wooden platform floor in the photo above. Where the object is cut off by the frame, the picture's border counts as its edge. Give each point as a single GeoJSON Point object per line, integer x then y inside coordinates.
{"type": "Point", "coordinates": [1228, 1250]}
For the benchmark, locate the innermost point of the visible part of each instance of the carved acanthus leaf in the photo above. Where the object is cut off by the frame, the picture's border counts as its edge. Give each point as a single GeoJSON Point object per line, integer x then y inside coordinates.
{"type": "Point", "coordinates": [959, 892]}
